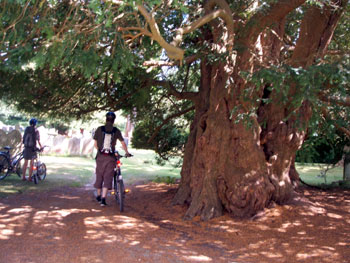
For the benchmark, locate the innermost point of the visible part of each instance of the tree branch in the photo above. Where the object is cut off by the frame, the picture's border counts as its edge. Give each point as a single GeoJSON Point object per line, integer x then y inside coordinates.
{"type": "Point", "coordinates": [172, 91]}
{"type": "Point", "coordinates": [173, 51]}
{"type": "Point", "coordinates": [257, 23]}
{"type": "Point", "coordinates": [226, 16]}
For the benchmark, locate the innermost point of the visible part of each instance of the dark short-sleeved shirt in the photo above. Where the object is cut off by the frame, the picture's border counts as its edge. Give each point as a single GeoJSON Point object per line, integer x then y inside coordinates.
{"type": "Point", "coordinates": [29, 152]}
{"type": "Point", "coordinates": [37, 134]}
{"type": "Point", "coordinates": [98, 136]}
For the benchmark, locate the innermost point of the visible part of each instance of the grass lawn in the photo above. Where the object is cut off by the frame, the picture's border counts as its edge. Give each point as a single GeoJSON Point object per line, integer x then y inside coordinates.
{"type": "Point", "coordinates": [311, 174]}
{"type": "Point", "coordinates": [79, 171]}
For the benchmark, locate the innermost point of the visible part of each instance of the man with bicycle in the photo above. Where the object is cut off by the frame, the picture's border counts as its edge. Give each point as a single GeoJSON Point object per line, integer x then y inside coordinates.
{"type": "Point", "coordinates": [105, 141]}
{"type": "Point", "coordinates": [30, 138]}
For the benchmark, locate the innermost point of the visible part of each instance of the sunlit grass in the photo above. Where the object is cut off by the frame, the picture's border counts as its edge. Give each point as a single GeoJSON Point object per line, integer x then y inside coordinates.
{"type": "Point", "coordinates": [311, 174]}
{"type": "Point", "coordinates": [80, 171]}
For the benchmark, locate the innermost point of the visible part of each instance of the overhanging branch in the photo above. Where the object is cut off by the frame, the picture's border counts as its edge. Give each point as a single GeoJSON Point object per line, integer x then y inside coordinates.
{"type": "Point", "coordinates": [180, 95]}
{"type": "Point", "coordinates": [173, 51]}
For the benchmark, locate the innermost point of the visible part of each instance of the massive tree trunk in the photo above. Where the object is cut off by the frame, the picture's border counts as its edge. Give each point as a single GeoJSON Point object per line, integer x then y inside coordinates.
{"type": "Point", "coordinates": [197, 128]}
{"type": "Point", "coordinates": [238, 164]}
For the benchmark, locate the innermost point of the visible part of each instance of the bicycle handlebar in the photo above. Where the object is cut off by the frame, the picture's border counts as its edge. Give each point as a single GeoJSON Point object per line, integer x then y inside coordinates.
{"type": "Point", "coordinates": [40, 149]}
{"type": "Point", "coordinates": [124, 156]}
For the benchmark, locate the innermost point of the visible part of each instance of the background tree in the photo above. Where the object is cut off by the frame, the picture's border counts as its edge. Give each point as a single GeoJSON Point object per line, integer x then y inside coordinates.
{"type": "Point", "coordinates": [256, 74]}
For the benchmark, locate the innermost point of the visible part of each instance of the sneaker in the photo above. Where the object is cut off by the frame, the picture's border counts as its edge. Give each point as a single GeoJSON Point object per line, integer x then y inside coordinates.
{"type": "Point", "coordinates": [98, 198]}
{"type": "Point", "coordinates": [103, 202]}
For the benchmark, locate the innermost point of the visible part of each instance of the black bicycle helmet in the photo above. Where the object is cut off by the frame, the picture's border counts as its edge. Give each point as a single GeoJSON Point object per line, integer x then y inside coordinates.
{"type": "Point", "coordinates": [110, 116]}
{"type": "Point", "coordinates": [33, 121]}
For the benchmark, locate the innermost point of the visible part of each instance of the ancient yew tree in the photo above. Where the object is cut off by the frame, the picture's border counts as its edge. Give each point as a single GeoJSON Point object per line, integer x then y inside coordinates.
{"type": "Point", "coordinates": [254, 74]}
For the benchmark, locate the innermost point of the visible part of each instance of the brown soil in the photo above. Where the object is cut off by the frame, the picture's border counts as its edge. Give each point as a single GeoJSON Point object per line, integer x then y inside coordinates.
{"type": "Point", "coordinates": [68, 225]}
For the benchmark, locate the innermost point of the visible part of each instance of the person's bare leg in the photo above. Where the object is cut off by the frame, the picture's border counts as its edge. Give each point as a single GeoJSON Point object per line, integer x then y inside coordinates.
{"type": "Point", "coordinates": [103, 197]}
{"type": "Point", "coordinates": [24, 170]}
{"type": "Point", "coordinates": [98, 196]}
{"type": "Point", "coordinates": [30, 170]}
{"type": "Point", "coordinates": [104, 192]}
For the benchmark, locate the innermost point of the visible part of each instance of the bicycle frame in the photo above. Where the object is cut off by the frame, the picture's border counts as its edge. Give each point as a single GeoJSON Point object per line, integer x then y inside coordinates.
{"type": "Point", "coordinates": [39, 168]}
{"type": "Point", "coordinates": [118, 183]}
{"type": "Point", "coordinates": [13, 160]}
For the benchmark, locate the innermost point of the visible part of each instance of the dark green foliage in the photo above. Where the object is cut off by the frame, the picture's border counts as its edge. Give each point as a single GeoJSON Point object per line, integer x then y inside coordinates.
{"type": "Point", "coordinates": [320, 148]}
{"type": "Point", "coordinates": [168, 143]}
{"type": "Point", "coordinates": [67, 59]}
{"type": "Point", "coordinates": [64, 60]}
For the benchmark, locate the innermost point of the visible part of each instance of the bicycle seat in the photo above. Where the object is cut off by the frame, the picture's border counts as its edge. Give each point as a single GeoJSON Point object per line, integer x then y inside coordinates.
{"type": "Point", "coordinates": [7, 148]}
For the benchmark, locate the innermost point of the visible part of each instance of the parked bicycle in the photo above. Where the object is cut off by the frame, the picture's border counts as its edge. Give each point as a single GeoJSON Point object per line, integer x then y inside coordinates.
{"type": "Point", "coordinates": [118, 184]}
{"type": "Point", "coordinates": [39, 168]}
{"type": "Point", "coordinates": [10, 164]}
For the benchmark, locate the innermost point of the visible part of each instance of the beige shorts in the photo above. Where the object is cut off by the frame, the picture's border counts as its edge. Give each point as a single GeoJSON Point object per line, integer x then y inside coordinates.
{"type": "Point", "coordinates": [105, 165]}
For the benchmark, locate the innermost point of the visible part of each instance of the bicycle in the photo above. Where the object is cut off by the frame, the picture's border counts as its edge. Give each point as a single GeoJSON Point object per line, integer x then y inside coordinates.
{"type": "Point", "coordinates": [118, 183]}
{"type": "Point", "coordinates": [39, 168]}
{"type": "Point", "coordinates": [10, 164]}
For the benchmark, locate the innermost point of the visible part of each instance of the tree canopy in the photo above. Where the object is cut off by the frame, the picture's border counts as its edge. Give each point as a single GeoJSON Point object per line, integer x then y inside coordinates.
{"type": "Point", "coordinates": [252, 79]}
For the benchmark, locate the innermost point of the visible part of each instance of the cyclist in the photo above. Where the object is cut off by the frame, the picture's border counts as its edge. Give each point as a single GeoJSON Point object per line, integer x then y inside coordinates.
{"type": "Point", "coordinates": [30, 138]}
{"type": "Point", "coordinates": [105, 140]}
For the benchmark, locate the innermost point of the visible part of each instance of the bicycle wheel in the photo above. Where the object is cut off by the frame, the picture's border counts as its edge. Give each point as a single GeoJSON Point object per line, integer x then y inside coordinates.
{"type": "Point", "coordinates": [4, 166]}
{"type": "Point", "coordinates": [115, 186]}
{"type": "Point", "coordinates": [121, 195]}
{"type": "Point", "coordinates": [18, 167]}
{"type": "Point", "coordinates": [42, 171]}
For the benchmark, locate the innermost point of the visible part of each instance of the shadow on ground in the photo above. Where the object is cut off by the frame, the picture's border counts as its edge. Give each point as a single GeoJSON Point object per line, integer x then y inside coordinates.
{"type": "Point", "coordinates": [68, 225]}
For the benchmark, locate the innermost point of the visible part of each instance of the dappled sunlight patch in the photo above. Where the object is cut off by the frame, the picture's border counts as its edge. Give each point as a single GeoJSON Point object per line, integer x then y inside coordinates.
{"type": "Point", "coordinates": [129, 223]}
{"type": "Point", "coordinates": [24, 209]}
{"type": "Point", "coordinates": [263, 227]}
{"type": "Point", "coordinates": [6, 233]}
{"type": "Point", "coordinates": [134, 243]}
{"type": "Point", "coordinates": [9, 189]}
{"type": "Point", "coordinates": [9, 218]}
{"type": "Point", "coordinates": [313, 210]}
{"type": "Point", "coordinates": [53, 219]}
{"type": "Point", "coordinates": [99, 227]}
{"type": "Point", "coordinates": [9, 223]}
{"type": "Point", "coordinates": [259, 244]}
{"type": "Point", "coordinates": [342, 244]}
{"type": "Point", "coordinates": [317, 253]}
{"type": "Point", "coordinates": [65, 212]}
{"type": "Point", "coordinates": [199, 258]}
{"type": "Point", "coordinates": [271, 254]}
{"type": "Point", "coordinates": [151, 230]}
{"type": "Point", "coordinates": [68, 197]}
{"type": "Point", "coordinates": [225, 228]}
{"type": "Point", "coordinates": [336, 216]}
{"type": "Point", "coordinates": [156, 187]}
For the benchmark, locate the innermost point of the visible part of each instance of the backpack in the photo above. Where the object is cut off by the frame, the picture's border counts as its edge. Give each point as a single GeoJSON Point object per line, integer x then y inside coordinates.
{"type": "Point", "coordinates": [29, 137]}
{"type": "Point", "coordinates": [107, 146]}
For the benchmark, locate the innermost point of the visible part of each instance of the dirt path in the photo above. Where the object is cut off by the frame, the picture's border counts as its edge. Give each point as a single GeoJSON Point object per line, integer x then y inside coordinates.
{"type": "Point", "coordinates": [68, 225]}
